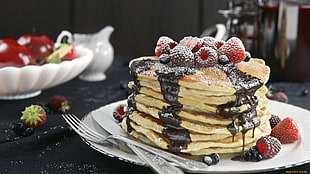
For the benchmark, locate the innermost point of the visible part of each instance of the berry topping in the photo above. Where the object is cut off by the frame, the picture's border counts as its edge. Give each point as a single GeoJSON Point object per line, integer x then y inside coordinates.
{"type": "Point", "coordinates": [33, 116]}
{"type": "Point", "coordinates": [119, 113]}
{"type": "Point", "coordinates": [182, 56]}
{"type": "Point", "coordinates": [206, 57]}
{"type": "Point", "coordinates": [163, 41]}
{"type": "Point", "coordinates": [223, 59]}
{"type": "Point", "coordinates": [193, 43]}
{"type": "Point", "coordinates": [252, 155]}
{"type": "Point", "coordinates": [233, 49]}
{"type": "Point", "coordinates": [286, 131]}
{"type": "Point", "coordinates": [268, 146]}
{"type": "Point", "coordinates": [59, 103]}
{"type": "Point", "coordinates": [164, 59]}
{"type": "Point", "coordinates": [211, 159]}
{"type": "Point", "coordinates": [212, 42]}
{"type": "Point", "coordinates": [274, 120]}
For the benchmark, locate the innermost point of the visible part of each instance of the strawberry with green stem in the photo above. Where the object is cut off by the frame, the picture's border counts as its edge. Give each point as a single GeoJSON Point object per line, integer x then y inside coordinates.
{"type": "Point", "coordinates": [33, 116]}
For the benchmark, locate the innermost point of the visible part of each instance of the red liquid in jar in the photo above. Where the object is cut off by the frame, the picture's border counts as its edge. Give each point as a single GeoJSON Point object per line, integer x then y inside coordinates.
{"type": "Point", "coordinates": [295, 66]}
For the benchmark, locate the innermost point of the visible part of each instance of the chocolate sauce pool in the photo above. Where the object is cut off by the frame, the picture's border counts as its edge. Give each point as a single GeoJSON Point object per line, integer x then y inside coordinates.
{"type": "Point", "coordinates": [168, 77]}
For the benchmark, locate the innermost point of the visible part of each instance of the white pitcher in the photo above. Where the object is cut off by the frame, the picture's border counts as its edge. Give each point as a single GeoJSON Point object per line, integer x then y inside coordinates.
{"type": "Point", "coordinates": [100, 44]}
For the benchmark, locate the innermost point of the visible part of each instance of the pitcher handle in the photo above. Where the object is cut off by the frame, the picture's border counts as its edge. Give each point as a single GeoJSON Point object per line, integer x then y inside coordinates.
{"type": "Point", "coordinates": [64, 36]}
{"type": "Point", "coordinates": [218, 29]}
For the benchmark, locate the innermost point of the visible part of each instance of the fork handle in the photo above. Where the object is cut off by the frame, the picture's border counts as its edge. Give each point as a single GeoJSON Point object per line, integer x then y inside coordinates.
{"type": "Point", "coordinates": [184, 163]}
{"type": "Point", "coordinates": [158, 164]}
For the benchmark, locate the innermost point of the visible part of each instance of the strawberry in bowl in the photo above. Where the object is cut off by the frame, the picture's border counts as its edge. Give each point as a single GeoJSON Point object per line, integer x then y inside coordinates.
{"type": "Point", "coordinates": [29, 80]}
{"type": "Point", "coordinates": [40, 45]}
{"type": "Point", "coordinates": [13, 54]}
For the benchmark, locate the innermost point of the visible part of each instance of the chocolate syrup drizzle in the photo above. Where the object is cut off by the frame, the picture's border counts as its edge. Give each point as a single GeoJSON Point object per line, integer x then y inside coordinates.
{"type": "Point", "coordinates": [168, 77]}
{"type": "Point", "coordinates": [246, 86]}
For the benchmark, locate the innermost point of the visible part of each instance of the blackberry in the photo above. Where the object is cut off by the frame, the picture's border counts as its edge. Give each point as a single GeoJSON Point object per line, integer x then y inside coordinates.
{"type": "Point", "coordinates": [274, 120]}
{"type": "Point", "coordinates": [211, 159]}
{"type": "Point", "coordinates": [164, 59]}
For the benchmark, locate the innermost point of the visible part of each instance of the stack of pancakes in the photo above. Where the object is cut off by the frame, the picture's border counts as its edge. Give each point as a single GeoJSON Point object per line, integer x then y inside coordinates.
{"type": "Point", "coordinates": [219, 109]}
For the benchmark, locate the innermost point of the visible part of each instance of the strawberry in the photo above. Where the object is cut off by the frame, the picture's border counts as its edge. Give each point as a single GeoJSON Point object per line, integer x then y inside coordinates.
{"type": "Point", "coordinates": [286, 131]}
{"type": "Point", "coordinates": [233, 49]}
{"type": "Point", "coordinates": [33, 116]}
{"type": "Point", "coordinates": [69, 56]}
{"type": "Point", "coordinates": [58, 55]}
{"type": "Point", "coordinates": [59, 103]}
{"type": "Point", "coordinates": [268, 146]}
{"type": "Point", "coordinates": [164, 42]}
{"type": "Point", "coordinates": [193, 43]}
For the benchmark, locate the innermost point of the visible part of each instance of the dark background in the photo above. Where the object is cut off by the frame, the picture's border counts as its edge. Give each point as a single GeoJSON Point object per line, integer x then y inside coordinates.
{"type": "Point", "coordinates": [138, 23]}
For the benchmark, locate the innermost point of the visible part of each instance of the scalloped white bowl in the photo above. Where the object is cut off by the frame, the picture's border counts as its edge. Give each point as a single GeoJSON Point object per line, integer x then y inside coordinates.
{"type": "Point", "coordinates": [29, 81]}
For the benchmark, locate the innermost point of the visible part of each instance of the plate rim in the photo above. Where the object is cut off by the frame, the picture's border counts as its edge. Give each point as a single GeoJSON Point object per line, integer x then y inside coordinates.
{"type": "Point", "coordinates": [116, 103]}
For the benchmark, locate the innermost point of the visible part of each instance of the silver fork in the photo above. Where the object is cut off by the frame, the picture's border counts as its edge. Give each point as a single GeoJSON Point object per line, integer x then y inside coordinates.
{"type": "Point", "coordinates": [157, 164]}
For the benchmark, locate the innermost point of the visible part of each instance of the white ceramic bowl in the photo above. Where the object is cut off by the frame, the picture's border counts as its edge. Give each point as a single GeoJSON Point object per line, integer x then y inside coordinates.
{"type": "Point", "coordinates": [29, 81]}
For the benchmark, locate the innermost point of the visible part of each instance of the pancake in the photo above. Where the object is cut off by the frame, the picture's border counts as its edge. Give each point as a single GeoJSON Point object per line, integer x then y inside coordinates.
{"type": "Point", "coordinates": [198, 110]}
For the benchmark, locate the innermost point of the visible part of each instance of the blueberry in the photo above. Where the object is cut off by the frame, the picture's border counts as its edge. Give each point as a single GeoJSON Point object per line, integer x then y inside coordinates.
{"type": "Point", "coordinates": [211, 159]}
{"type": "Point", "coordinates": [164, 59]}
{"type": "Point", "coordinates": [28, 132]}
{"type": "Point", "coordinates": [223, 59]}
{"type": "Point", "coordinates": [248, 56]}
{"type": "Point", "coordinates": [247, 156]}
{"type": "Point", "coordinates": [252, 155]}
{"type": "Point", "coordinates": [19, 129]}
{"type": "Point", "coordinates": [304, 92]}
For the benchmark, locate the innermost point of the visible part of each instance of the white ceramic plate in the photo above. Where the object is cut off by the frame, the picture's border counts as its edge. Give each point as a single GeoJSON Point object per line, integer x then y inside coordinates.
{"type": "Point", "coordinates": [290, 155]}
{"type": "Point", "coordinates": [28, 81]}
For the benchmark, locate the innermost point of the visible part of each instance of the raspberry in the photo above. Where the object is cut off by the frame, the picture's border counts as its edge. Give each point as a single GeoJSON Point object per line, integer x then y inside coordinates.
{"type": "Point", "coordinates": [274, 120]}
{"type": "Point", "coordinates": [268, 146]}
{"type": "Point", "coordinates": [193, 43]}
{"type": "Point", "coordinates": [182, 56]}
{"type": "Point", "coordinates": [206, 57]}
{"type": "Point", "coordinates": [119, 113]}
{"type": "Point", "coordinates": [163, 40]}
{"type": "Point", "coordinates": [212, 42]}
{"type": "Point", "coordinates": [233, 49]}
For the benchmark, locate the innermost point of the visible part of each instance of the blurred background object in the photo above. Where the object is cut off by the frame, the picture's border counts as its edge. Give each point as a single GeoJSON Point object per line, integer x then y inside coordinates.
{"type": "Point", "coordinates": [138, 23]}
{"type": "Point", "coordinates": [284, 38]}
